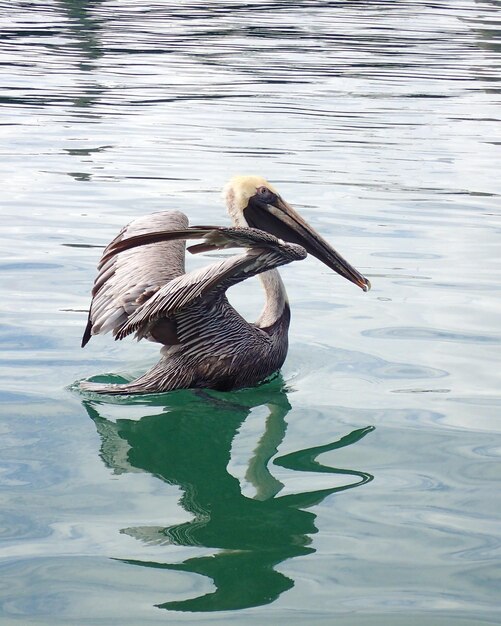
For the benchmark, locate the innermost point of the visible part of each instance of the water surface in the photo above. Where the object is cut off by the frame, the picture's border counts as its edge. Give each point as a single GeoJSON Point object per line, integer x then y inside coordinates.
{"type": "Point", "coordinates": [361, 487]}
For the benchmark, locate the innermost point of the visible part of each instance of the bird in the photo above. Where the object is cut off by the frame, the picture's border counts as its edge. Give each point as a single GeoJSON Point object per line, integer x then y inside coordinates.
{"type": "Point", "coordinates": [142, 288]}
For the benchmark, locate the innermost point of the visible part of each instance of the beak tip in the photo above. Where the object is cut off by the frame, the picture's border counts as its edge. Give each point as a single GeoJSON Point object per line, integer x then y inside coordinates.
{"type": "Point", "coordinates": [367, 285]}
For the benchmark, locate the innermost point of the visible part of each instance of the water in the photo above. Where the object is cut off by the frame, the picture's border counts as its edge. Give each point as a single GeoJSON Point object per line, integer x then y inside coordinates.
{"type": "Point", "coordinates": [360, 487]}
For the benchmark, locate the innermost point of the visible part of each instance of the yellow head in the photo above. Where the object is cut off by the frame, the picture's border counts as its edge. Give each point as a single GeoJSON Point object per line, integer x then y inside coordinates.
{"type": "Point", "coordinates": [237, 193]}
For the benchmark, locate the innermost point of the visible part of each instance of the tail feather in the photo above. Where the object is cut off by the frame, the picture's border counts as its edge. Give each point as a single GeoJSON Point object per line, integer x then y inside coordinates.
{"type": "Point", "coordinates": [114, 388]}
{"type": "Point", "coordinates": [163, 376]}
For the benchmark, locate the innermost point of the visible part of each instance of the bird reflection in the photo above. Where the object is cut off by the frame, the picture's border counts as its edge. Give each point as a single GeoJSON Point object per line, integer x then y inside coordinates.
{"type": "Point", "coordinates": [83, 27]}
{"type": "Point", "coordinates": [189, 445]}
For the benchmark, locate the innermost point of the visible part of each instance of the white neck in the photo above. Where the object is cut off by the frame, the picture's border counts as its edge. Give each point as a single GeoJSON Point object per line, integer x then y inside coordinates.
{"type": "Point", "coordinates": [276, 298]}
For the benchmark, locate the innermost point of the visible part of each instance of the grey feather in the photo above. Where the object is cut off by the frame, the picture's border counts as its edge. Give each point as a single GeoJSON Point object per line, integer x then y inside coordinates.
{"type": "Point", "coordinates": [125, 280]}
{"type": "Point", "coordinates": [141, 287]}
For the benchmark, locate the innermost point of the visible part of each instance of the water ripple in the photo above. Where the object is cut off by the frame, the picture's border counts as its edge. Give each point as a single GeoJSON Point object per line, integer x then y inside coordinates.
{"type": "Point", "coordinates": [379, 121]}
{"type": "Point", "coordinates": [429, 334]}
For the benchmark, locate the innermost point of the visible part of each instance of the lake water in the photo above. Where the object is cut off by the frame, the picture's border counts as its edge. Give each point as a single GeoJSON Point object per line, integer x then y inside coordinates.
{"type": "Point", "coordinates": [362, 487]}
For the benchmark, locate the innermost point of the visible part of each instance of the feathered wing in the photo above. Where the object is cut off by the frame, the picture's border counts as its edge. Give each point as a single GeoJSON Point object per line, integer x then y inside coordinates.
{"type": "Point", "coordinates": [125, 281]}
{"type": "Point", "coordinates": [215, 238]}
{"type": "Point", "coordinates": [265, 252]}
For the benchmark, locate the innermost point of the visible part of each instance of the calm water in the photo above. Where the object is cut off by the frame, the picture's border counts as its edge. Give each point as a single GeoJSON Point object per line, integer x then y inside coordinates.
{"type": "Point", "coordinates": [360, 488]}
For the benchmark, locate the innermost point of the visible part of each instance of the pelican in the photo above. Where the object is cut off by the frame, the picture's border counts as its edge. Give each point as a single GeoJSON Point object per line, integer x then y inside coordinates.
{"type": "Point", "coordinates": [142, 288]}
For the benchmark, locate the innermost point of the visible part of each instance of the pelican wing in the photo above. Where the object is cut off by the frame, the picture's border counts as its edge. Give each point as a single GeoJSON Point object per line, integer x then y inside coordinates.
{"type": "Point", "coordinates": [265, 252]}
{"type": "Point", "coordinates": [126, 280]}
{"type": "Point", "coordinates": [215, 238]}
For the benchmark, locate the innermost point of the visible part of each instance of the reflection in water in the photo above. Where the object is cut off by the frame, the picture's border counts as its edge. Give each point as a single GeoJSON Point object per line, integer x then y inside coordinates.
{"type": "Point", "coordinates": [84, 28]}
{"type": "Point", "coordinates": [85, 49]}
{"type": "Point", "coordinates": [189, 444]}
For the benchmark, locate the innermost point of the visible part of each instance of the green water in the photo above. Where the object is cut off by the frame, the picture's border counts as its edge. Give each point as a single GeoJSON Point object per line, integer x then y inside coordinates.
{"type": "Point", "coordinates": [361, 486]}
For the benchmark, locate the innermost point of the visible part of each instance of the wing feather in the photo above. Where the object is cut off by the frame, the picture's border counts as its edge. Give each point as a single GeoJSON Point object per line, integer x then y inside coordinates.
{"type": "Point", "coordinates": [215, 279]}
{"type": "Point", "coordinates": [215, 238]}
{"type": "Point", "coordinates": [124, 281]}
{"type": "Point", "coordinates": [141, 274]}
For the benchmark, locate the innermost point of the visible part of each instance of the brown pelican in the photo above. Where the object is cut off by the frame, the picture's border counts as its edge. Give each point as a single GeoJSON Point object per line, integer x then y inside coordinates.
{"type": "Point", "coordinates": [142, 288]}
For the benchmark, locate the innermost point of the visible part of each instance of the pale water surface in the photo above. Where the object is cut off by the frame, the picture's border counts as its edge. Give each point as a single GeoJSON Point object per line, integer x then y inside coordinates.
{"type": "Point", "coordinates": [361, 487]}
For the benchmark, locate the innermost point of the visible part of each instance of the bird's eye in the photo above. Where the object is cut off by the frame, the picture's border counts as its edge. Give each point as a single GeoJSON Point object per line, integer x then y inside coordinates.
{"type": "Point", "coordinates": [266, 195]}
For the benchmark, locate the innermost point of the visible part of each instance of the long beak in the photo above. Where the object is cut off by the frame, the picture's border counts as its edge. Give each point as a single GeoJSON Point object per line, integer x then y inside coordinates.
{"type": "Point", "coordinates": [281, 220]}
